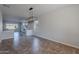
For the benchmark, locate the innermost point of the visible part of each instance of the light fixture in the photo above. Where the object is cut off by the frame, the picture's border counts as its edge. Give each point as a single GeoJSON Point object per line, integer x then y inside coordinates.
{"type": "Point", "coordinates": [31, 8]}
{"type": "Point", "coordinates": [31, 17]}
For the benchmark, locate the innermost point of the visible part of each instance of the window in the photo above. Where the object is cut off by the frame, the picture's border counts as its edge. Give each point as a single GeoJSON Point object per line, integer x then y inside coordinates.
{"type": "Point", "coordinates": [11, 26]}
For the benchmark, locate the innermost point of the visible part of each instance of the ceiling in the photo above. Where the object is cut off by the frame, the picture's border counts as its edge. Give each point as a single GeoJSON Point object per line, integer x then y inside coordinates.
{"type": "Point", "coordinates": [22, 10]}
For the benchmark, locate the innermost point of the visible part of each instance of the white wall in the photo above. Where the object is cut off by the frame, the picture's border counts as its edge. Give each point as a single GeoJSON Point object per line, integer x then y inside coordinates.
{"type": "Point", "coordinates": [6, 35]}
{"type": "Point", "coordinates": [1, 24]}
{"type": "Point", "coordinates": [61, 25]}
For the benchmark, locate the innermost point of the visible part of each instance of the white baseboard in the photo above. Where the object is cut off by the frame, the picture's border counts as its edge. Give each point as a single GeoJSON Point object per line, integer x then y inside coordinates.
{"type": "Point", "coordinates": [75, 46]}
